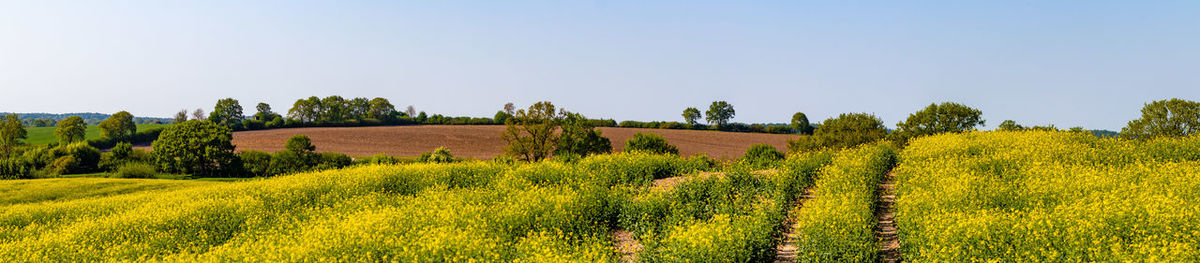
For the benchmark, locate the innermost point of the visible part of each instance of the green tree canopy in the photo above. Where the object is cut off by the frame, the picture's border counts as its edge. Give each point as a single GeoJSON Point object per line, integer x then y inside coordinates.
{"type": "Point", "coordinates": [800, 123]}
{"type": "Point", "coordinates": [847, 130]}
{"type": "Point", "coordinates": [650, 143]}
{"type": "Point", "coordinates": [119, 125]}
{"type": "Point", "coordinates": [11, 132]}
{"type": "Point", "coordinates": [69, 130]}
{"type": "Point", "coordinates": [935, 119]}
{"type": "Point", "coordinates": [196, 147]}
{"type": "Point", "coordinates": [719, 113]}
{"type": "Point", "coordinates": [300, 144]}
{"type": "Point", "coordinates": [691, 115]}
{"type": "Point", "coordinates": [531, 132]}
{"type": "Point", "coordinates": [1010, 125]}
{"type": "Point", "coordinates": [380, 109]}
{"type": "Point", "coordinates": [228, 113]}
{"type": "Point", "coordinates": [579, 137]}
{"type": "Point", "coordinates": [1165, 118]}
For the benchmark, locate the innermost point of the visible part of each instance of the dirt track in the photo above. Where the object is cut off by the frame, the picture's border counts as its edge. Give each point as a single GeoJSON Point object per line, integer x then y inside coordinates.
{"type": "Point", "coordinates": [483, 141]}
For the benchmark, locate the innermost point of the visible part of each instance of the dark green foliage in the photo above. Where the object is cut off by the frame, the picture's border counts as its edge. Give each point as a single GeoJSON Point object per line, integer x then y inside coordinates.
{"type": "Point", "coordinates": [228, 113]}
{"type": "Point", "coordinates": [439, 155]}
{"type": "Point", "coordinates": [691, 115]}
{"type": "Point", "coordinates": [762, 156]}
{"type": "Point", "coordinates": [196, 147]}
{"type": "Point", "coordinates": [936, 119]}
{"type": "Point", "coordinates": [119, 126]}
{"type": "Point", "coordinates": [329, 160]}
{"type": "Point", "coordinates": [1010, 125]}
{"type": "Point", "coordinates": [135, 170]}
{"type": "Point", "coordinates": [145, 136]}
{"type": "Point", "coordinates": [122, 150]}
{"type": "Point", "coordinates": [300, 144]}
{"type": "Point", "coordinates": [531, 134]}
{"type": "Point", "coordinates": [70, 130]}
{"type": "Point", "coordinates": [380, 159]}
{"type": "Point", "coordinates": [1165, 118]}
{"type": "Point", "coordinates": [650, 143]}
{"type": "Point", "coordinates": [256, 163]}
{"type": "Point", "coordinates": [276, 122]}
{"type": "Point", "coordinates": [16, 168]}
{"type": "Point", "coordinates": [578, 137]}
{"type": "Point", "coordinates": [501, 116]}
{"type": "Point", "coordinates": [12, 131]}
{"type": "Point", "coordinates": [847, 130]}
{"type": "Point", "coordinates": [75, 158]}
{"type": "Point", "coordinates": [800, 123]}
{"type": "Point", "coordinates": [289, 162]}
{"type": "Point", "coordinates": [719, 113]}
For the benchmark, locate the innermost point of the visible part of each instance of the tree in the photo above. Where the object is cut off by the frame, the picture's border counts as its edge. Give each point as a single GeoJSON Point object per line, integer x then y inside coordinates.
{"type": "Point", "coordinates": [199, 115]}
{"type": "Point", "coordinates": [333, 109]}
{"type": "Point", "coordinates": [181, 116]}
{"type": "Point", "coordinates": [196, 147]}
{"type": "Point", "coordinates": [11, 132]}
{"type": "Point", "coordinates": [410, 111]}
{"type": "Point", "coordinates": [69, 130]}
{"type": "Point", "coordinates": [380, 109]}
{"type": "Point", "coordinates": [228, 113]}
{"type": "Point", "coordinates": [691, 115]}
{"type": "Point", "coordinates": [510, 108]}
{"type": "Point", "coordinates": [306, 110]}
{"type": "Point", "coordinates": [1010, 125]}
{"type": "Point", "coordinates": [580, 137]}
{"type": "Point", "coordinates": [1165, 118]}
{"type": "Point", "coordinates": [847, 130]}
{"type": "Point", "coordinates": [300, 144]}
{"type": "Point", "coordinates": [119, 125]}
{"type": "Point", "coordinates": [650, 143]}
{"type": "Point", "coordinates": [264, 112]}
{"type": "Point", "coordinates": [357, 109]}
{"type": "Point", "coordinates": [800, 123]}
{"type": "Point", "coordinates": [531, 133]}
{"type": "Point", "coordinates": [935, 119]}
{"type": "Point", "coordinates": [719, 113]}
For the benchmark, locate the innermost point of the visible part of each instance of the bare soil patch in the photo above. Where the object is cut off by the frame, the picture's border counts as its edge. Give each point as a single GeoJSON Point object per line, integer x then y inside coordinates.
{"type": "Point", "coordinates": [483, 141]}
{"type": "Point", "coordinates": [786, 251]}
{"type": "Point", "coordinates": [885, 231]}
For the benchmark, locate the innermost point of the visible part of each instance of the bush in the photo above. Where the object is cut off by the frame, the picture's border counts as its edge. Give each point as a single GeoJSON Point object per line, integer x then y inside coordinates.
{"type": "Point", "coordinates": [12, 168]}
{"type": "Point", "coordinates": [196, 147]}
{"type": "Point", "coordinates": [380, 159]}
{"type": "Point", "coordinates": [256, 163]}
{"type": "Point", "coordinates": [289, 162]}
{"type": "Point", "coordinates": [331, 160]}
{"type": "Point", "coordinates": [75, 158]}
{"type": "Point", "coordinates": [135, 170]}
{"type": "Point", "coordinates": [845, 131]}
{"type": "Point", "coordinates": [762, 156]}
{"type": "Point", "coordinates": [439, 155]}
{"type": "Point", "coordinates": [650, 143]}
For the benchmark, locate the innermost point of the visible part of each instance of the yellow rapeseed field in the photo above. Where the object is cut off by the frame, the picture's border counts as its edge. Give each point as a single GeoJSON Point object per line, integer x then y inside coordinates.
{"type": "Point", "coordinates": [1048, 197]}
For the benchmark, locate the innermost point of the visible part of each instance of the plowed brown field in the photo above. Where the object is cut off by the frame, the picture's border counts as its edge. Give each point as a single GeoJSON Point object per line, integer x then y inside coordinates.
{"type": "Point", "coordinates": [483, 141]}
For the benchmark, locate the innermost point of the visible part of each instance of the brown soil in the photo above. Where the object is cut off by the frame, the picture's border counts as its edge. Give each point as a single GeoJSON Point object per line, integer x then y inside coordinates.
{"type": "Point", "coordinates": [627, 245]}
{"type": "Point", "coordinates": [483, 141]}
{"type": "Point", "coordinates": [786, 251]}
{"type": "Point", "coordinates": [885, 231]}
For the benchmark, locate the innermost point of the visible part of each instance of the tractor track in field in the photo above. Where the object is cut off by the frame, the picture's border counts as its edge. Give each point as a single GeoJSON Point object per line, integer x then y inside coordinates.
{"type": "Point", "coordinates": [786, 251]}
{"type": "Point", "coordinates": [885, 229]}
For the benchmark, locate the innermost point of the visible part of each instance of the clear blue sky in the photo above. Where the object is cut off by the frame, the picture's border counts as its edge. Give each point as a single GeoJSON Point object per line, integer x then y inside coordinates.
{"type": "Point", "coordinates": [1069, 63]}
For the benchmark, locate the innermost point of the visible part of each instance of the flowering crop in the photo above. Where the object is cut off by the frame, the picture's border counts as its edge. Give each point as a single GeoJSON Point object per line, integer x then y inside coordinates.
{"type": "Point", "coordinates": [1048, 197]}
{"type": "Point", "coordinates": [836, 225]}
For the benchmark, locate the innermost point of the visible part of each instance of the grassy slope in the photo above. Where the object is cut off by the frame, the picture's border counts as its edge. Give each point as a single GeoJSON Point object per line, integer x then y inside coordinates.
{"type": "Point", "coordinates": [65, 189]}
{"type": "Point", "coordinates": [45, 135]}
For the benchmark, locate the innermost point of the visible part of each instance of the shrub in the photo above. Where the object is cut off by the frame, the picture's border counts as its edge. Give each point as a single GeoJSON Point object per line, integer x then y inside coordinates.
{"type": "Point", "coordinates": [13, 168]}
{"type": "Point", "coordinates": [762, 156]}
{"type": "Point", "coordinates": [75, 158]}
{"type": "Point", "coordinates": [256, 163]}
{"type": "Point", "coordinates": [196, 147]}
{"type": "Point", "coordinates": [650, 143]}
{"type": "Point", "coordinates": [380, 159]}
{"type": "Point", "coordinates": [331, 160]}
{"type": "Point", "coordinates": [289, 162]}
{"type": "Point", "coordinates": [847, 130]}
{"type": "Point", "coordinates": [439, 155]}
{"type": "Point", "coordinates": [135, 170]}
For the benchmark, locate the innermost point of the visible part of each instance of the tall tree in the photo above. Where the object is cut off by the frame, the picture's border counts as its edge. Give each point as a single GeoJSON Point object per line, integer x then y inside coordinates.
{"type": "Point", "coordinates": [935, 119]}
{"type": "Point", "coordinates": [11, 132]}
{"type": "Point", "coordinates": [196, 147]}
{"type": "Point", "coordinates": [510, 108]}
{"type": "Point", "coordinates": [306, 110]}
{"type": "Point", "coordinates": [380, 109]}
{"type": "Point", "coordinates": [800, 123]}
{"type": "Point", "coordinates": [1165, 118]}
{"type": "Point", "coordinates": [691, 115]}
{"type": "Point", "coordinates": [410, 111]}
{"type": "Point", "coordinates": [119, 125]}
{"type": "Point", "coordinates": [69, 130]}
{"type": "Point", "coordinates": [199, 115]}
{"type": "Point", "coordinates": [228, 113]}
{"type": "Point", "coordinates": [181, 116]}
{"type": "Point", "coordinates": [358, 108]}
{"type": "Point", "coordinates": [333, 109]}
{"type": "Point", "coordinates": [264, 112]}
{"type": "Point", "coordinates": [719, 113]}
{"type": "Point", "coordinates": [579, 137]}
{"type": "Point", "coordinates": [531, 133]}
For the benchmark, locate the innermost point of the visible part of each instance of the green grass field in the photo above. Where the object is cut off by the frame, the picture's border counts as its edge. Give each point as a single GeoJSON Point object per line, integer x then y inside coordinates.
{"type": "Point", "coordinates": [45, 135]}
